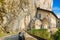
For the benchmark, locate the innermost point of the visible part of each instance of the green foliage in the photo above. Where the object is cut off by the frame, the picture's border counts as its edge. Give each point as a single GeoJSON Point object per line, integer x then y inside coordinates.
{"type": "Point", "coordinates": [57, 35]}
{"type": "Point", "coordinates": [41, 33]}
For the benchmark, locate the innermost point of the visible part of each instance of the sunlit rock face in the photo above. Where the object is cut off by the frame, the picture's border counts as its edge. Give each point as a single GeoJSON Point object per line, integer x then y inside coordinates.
{"type": "Point", "coordinates": [19, 13]}
{"type": "Point", "coordinates": [44, 4]}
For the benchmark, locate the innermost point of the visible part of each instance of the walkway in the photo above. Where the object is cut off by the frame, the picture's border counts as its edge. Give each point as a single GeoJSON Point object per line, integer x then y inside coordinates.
{"type": "Point", "coordinates": [16, 37]}
{"type": "Point", "coordinates": [27, 36]}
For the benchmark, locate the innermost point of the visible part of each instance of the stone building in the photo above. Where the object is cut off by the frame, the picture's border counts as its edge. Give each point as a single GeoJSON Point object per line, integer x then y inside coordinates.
{"type": "Point", "coordinates": [58, 23]}
{"type": "Point", "coordinates": [44, 19]}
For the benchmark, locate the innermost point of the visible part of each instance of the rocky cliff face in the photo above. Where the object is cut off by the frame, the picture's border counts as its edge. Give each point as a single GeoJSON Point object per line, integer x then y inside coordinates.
{"type": "Point", "coordinates": [18, 13]}
{"type": "Point", "coordinates": [44, 4]}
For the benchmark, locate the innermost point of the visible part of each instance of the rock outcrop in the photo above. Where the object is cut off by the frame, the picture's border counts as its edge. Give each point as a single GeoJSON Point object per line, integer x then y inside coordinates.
{"type": "Point", "coordinates": [44, 4]}
{"type": "Point", "coordinates": [18, 13]}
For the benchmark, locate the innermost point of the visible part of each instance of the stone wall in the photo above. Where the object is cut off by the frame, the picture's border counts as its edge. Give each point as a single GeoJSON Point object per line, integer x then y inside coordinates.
{"type": "Point", "coordinates": [51, 20]}
{"type": "Point", "coordinates": [45, 19]}
{"type": "Point", "coordinates": [58, 23]}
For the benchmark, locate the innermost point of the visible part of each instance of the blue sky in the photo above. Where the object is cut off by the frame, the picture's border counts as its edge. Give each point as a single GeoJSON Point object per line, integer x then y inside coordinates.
{"type": "Point", "coordinates": [56, 7]}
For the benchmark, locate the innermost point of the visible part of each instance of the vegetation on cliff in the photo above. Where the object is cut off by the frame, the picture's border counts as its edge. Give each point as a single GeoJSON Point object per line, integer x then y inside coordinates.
{"type": "Point", "coordinates": [43, 33]}
{"type": "Point", "coordinates": [57, 35]}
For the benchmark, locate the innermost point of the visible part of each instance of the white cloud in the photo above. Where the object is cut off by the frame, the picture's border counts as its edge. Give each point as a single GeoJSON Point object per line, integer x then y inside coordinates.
{"type": "Point", "coordinates": [56, 8]}
{"type": "Point", "coordinates": [58, 15]}
{"type": "Point", "coordinates": [57, 11]}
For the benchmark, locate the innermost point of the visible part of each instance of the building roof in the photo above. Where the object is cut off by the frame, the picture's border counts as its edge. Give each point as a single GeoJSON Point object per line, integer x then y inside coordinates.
{"type": "Point", "coordinates": [48, 11]}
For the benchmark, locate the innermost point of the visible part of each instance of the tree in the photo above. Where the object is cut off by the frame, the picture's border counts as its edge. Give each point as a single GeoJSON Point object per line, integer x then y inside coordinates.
{"type": "Point", "coordinates": [57, 35]}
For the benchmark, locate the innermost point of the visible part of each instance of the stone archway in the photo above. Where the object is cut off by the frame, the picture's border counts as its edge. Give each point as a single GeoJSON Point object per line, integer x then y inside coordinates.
{"type": "Point", "coordinates": [38, 24]}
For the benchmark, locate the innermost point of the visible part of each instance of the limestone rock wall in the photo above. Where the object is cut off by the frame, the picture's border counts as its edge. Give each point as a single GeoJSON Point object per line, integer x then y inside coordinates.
{"type": "Point", "coordinates": [20, 12]}
{"type": "Point", "coordinates": [45, 4]}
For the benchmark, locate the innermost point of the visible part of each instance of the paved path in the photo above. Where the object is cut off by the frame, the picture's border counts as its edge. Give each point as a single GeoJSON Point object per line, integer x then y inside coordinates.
{"type": "Point", "coordinates": [22, 36]}
{"type": "Point", "coordinates": [13, 37]}
{"type": "Point", "coordinates": [16, 37]}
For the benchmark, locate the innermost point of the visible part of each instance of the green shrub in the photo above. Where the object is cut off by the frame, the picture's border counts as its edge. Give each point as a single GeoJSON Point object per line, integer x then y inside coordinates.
{"type": "Point", "coordinates": [57, 35]}
{"type": "Point", "coordinates": [43, 33]}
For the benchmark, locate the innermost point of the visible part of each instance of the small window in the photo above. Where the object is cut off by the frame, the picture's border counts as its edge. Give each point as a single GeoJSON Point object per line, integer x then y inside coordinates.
{"type": "Point", "coordinates": [58, 21]}
{"type": "Point", "coordinates": [38, 16]}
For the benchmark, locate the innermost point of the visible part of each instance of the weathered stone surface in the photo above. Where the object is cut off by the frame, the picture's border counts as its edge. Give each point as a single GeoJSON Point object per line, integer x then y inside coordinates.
{"type": "Point", "coordinates": [29, 37]}
{"type": "Point", "coordinates": [37, 24]}
{"type": "Point", "coordinates": [58, 23]}
{"type": "Point", "coordinates": [19, 13]}
{"type": "Point", "coordinates": [44, 4]}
